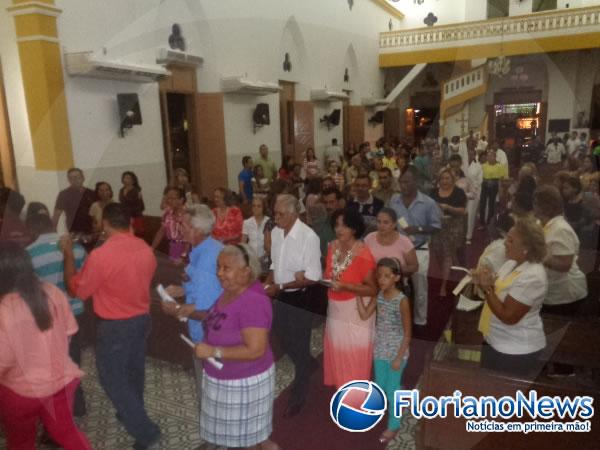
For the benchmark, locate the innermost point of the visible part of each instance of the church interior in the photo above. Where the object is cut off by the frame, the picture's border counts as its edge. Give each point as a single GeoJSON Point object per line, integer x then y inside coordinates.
{"type": "Point", "coordinates": [157, 88]}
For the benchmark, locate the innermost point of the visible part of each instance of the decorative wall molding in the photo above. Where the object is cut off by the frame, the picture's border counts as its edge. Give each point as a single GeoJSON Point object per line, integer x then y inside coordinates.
{"type": "Point", "coordinates": [38, 37]}
{"type": "Point", "coordinates": [542, 24]}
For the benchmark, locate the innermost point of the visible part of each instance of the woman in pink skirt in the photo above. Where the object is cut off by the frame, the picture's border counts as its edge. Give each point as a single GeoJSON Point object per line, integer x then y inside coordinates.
{"type": "Point", "coordinates": [348, 341]}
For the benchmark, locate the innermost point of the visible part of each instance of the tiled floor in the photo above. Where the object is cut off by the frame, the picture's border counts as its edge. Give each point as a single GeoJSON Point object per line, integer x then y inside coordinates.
{"type": "Point", "coordinates": [171, 401]}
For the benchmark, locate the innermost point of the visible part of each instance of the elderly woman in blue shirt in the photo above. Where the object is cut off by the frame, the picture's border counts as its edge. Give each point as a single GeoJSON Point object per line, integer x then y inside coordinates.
{"type": "Point", "coordinates": [202, 289]}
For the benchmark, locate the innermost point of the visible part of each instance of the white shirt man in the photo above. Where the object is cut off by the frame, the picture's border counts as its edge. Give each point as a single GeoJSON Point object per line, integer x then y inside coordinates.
{"type": "Point", "coordinates": [482, 145]}
{"type": "Point", "coordinates": [334, 153]}
{"type": "Point", "coordinates": [298, 251]}
{"type": "Point", "coordinates": [501, 157]}
{"type": "Point", "coordinates": [296, 264]}
{"type": "Point", "coordinates": [573, 144]}
{"type": "Point", "coordinates": [554, 152]}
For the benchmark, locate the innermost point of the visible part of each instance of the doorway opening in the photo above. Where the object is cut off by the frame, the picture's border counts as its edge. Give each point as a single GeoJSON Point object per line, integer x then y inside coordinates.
{"type": "Point", "coordinates": [178, 132]}
{"type": "Point", "coordinates": [178, 114]}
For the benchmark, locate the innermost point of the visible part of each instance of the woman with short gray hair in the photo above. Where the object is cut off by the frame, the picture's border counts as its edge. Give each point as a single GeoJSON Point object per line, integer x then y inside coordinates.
{"type": "Point", "coordinates": [237, 400]}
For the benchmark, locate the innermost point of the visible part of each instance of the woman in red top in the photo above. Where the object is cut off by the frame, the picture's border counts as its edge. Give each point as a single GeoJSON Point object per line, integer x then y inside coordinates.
{"type": "Point", "coordinates": [38, 379]}
{"type": "Point", "coordinates": [348, 341]}
{"type": "Point", "coordinates": [229, 219]}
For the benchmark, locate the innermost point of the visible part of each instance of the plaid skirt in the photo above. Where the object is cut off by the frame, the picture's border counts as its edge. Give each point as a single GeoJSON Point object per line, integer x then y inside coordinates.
{"type": "Point", "coordinates": [237, 413]}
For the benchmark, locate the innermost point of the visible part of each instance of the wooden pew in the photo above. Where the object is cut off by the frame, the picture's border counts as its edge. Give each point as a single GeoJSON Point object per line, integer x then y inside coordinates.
{"type": "Point", "coordinates": [164, 342]}
{"type": "Point", "coordinates": [445, 377]}
{"type": "Point", "coordinates": [575, 342]}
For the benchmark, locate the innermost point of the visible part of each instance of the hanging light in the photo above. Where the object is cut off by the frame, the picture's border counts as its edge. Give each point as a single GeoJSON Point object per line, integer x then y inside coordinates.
{"type": "Point", "coordinates": [499, 66]}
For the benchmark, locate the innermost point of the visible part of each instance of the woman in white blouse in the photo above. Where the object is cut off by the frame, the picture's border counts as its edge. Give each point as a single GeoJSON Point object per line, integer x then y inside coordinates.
{"type": "Point", "coordinates": [253, 227]}
{"type": "Point", "coordinates": [510, 320]}
{"type": "Point", "coordinates": [567, 283]}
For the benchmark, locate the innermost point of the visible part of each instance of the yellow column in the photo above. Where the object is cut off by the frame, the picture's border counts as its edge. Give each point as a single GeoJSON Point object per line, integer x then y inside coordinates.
{"type": "Point", "coordinates": [41, 68]}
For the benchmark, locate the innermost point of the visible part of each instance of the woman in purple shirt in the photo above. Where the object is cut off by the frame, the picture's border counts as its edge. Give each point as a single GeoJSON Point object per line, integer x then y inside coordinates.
{"type": "Point", "coordinates": [237, 400]}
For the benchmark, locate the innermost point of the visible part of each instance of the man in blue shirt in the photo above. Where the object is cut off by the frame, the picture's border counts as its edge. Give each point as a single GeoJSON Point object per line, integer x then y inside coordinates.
{"type": "Point", "coordinates": [419, 216]}
{"type": "Point", "coordinates": [203, 288]}
{"type": "Point", "coordinates": [48, 262]}
{"type": "Point", "coordinates": [245, 180]}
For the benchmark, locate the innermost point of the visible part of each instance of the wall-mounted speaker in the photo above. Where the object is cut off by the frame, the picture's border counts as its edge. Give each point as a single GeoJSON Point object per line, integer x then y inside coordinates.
{"type": "Point", "coordinates": [333, 119]}
{"type": "Point", "coordinates": [377, 118]}
{"type": "Point", "coordinates": [129, 111]}
{"type": "Point", "coordinates": [261, 114]}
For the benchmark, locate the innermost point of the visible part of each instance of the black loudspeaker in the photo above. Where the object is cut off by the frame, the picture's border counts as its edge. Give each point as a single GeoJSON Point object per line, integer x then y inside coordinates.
{"type": "Point", "coordinates": [129, 109]}
{"type": "Point", "coordinates": [334, 117]}
{"type": "Point", "coordinates": [261, 114]}
{"type": "Point", "coordinates": [332, 120]}
{"type": "Point", "coordinates": [377, 118]}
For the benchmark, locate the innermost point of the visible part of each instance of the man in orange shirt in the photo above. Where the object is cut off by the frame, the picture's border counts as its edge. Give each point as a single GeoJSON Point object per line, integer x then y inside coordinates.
{"type": "Point", "coordinates": [117, 276]}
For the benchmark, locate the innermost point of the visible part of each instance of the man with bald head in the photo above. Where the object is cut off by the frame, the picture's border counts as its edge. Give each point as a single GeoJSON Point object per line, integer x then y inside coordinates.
{"type": "Point", "coordinates": [296, 265]}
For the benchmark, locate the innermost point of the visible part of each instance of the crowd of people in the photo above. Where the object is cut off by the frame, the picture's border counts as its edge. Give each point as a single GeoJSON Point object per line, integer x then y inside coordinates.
{"type": "Point", "coordinates": [363, 227]}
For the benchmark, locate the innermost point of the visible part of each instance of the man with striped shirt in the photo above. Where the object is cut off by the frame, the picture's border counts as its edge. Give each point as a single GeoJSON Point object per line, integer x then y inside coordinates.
{"type": "Point", "coordinates": [48, 262]}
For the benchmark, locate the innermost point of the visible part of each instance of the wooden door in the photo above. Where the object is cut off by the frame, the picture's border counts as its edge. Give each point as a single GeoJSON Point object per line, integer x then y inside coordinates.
{"type": "Point", "coordinates": [287, 95]}
{"type": "Point", "coordinates": [304, 129]}
{"type": "Point", "coordinates": [8, 173]}
{"type": "Point", "coordinates": [211, 151]}
{"type": "Point", "coordinates": [354, 126]}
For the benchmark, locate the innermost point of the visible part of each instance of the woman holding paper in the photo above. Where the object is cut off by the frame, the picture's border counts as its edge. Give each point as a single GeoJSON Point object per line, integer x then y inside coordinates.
{"type": "Point", "coordinates": [348, 340]}
{"type": "Point", "coordinates": [237, 399]}
{"type": "Point", "coordinates": [510, 320]}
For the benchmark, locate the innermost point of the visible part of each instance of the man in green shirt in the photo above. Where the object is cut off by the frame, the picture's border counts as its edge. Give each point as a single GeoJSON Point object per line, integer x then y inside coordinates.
{"type": "Point", "coordinates": [267, 164]}
{"type": "Point", "coordinates": [332, 200]}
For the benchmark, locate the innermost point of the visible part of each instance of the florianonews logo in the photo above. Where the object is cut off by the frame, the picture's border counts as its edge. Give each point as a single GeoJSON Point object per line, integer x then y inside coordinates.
{"type": "Point", "coordinates": [358, 406]}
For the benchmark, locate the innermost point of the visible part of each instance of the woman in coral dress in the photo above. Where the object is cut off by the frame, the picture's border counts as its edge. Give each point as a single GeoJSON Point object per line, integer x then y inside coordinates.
{"type": "Point", "coordinates": [348, 341]}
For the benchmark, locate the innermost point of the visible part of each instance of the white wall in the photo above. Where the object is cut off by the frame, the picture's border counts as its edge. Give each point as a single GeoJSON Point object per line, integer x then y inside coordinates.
{"type": "Point", "coordinates": [239, 132]}
{"type": "Point", "coordinates": [453, 124]}
{"type": "Point", "coordinates": [235, 38]}
{"type": "Point", "coordinates": [475, 10]}
{"type": "Point", "coordinates": [585, 81]}
{"type": "Point", "coordinates": [446, 11]}
{"type": "Point", "coordinates": [562, 87]}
